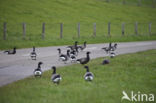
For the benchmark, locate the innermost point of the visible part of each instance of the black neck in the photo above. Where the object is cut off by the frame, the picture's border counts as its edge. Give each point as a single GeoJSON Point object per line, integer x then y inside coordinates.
{"type": "Point", "coordinates": [68, 53]}
{"type": "Point", "coordinates": [59, 51]}
{"type": "Point", "coordinates": [84, 44]}
{"type": "Point", "coordinates": [39, 66]}
{"type": "Point", "coordinates": [110, 45]}
{"type": "Point", "coordinates": [87, 69]}
{"type": "Point", "coordinates": [14, 49]}
{"type": "Point", "coordinates": [33, 49]}
{"type": "Point", "coordinates": [75, 44]}
{"type": "Point", "coordinates": [54, 70]}
{"type": "Point", "coordinates": [88, 56]}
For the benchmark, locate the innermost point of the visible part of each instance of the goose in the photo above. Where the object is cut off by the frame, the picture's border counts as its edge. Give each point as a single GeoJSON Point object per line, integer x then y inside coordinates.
{"type": "Point", "coordinates": [73, 46]}
{"type": "Point", "coordinates": [107, 49]}
{"type": "Point", "coordinates": [84, 60]}
{"type": "Point", "coordinates": [112, 55]}
{"type": "Point", "coordinates": [83, 46]}
{"type": "Point", "coordinates": [63, 57]}
{"type": "Point", "coordinates": [72, 56]}
{"type": "Point", "coordinates": [88, 75]}
{"type": "Point", "coordinates": [106, 61]}
{"type": "Point", "coordinates": [11, 51]}
{"type": "Point", "coordinates": [113, 48]}
{"type": "Point", "coordinates": [33, 54]}
{"type": "Point", "coordinates": [56, 78]}
{"type": "Point", "coordinates": [38, 71]}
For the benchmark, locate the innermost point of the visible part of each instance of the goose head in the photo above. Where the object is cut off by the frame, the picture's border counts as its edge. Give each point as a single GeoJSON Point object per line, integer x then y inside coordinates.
{"type": "Point", "coordinates": [40, 63]}
{"type": "Point", "coordinates": [85, 43]}
{"type": "Point", "coordinates": [14, 48]}
{"type": "Point", "coordinates": [33, 48]}
{"type": "Point", "coordinates": [76, 42]}
{"type": "Point", "coordinates": [115, 45]}
{"type": "Point", "coordinates": [54, 69]}
{"type": "Point", "coordinates": [88, 53]}
{"type": "Point", "coordinates": [59, 50]}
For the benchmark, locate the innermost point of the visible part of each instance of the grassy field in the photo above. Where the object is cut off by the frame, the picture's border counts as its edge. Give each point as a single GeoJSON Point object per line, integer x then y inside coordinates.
{"type": "Point", "coordinates": [130, 72]}
{"type": "Point", "coordinates": [70, 12]}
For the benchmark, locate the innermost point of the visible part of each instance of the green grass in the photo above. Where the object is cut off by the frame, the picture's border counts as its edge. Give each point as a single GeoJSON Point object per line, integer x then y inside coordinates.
{"type": "Point", "coordinates": [70, 12]}
{"type": "Point", "coordinates": [7, 44]}
{"type": "Point", "coordinates": [130, 72]}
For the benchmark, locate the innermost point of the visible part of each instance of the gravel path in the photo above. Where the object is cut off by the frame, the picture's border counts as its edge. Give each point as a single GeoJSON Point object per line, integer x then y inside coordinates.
{"type": "Point", "coordinates": [19, 66]}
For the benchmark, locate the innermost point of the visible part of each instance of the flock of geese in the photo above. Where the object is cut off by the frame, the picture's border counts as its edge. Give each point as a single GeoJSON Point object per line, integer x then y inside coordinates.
{"type": "Point", "coordinates": [70, 55]}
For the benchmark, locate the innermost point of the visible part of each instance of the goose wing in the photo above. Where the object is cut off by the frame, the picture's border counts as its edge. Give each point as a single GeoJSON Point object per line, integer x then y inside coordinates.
{"type": "Point", "coordinates": [88, 74]}
{"type": "Point", "coordinates": [82, 60]}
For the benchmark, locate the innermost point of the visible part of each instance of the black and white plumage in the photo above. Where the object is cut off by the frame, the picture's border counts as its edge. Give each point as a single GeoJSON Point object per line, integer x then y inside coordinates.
{"type": "Point", "coordinates": [33, 54]}
{"type": "Point", "coordinates": [107, 49]}
{"type": "Point", "coordinates": [38, 71]}
{"type": "Point", "coordinates": [112, 55]}
{"type": "Point", "coordinates": [73, 55]}
{"type": "Point", "coordinates": [56, 78]}
{"type": "Point", "coordinates": [113, 48]}
{"type": "Point", "coordinates": [106, 61]}
{"type": "Point", "coordinates": [11, 51]}
{"type": "Point", "coordinates": [72, 47]}
{"type": "Point", "coordinates": [84, 60]}
{"type": "Point", "coordinates": [82, 47]}
{"type": "Point", "coordinates": [88, 75]}
{"type": "Point", "coordinates": [63, 57]}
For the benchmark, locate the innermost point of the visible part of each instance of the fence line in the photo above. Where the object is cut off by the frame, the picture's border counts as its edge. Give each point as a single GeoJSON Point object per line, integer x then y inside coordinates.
{"type": "Point", "coordinates": [151, 3]}
{"type": "Point", "coordinates": [136, 28]}
{"type": "Point", "coordinates": [123, 29]}
{"type": "Point", "coordinates": [94, 29]}
{"type": "Point", "coordinates": [78, 30]}
{"type": "Point", "coordinates": [24, 30]}
{"type": "Point", "coordinates": [109, 28]}
{"type": "Point", "coordinates": [43, 30]}
{"type": "Point", "coordinates": [61, 30]}
{"type": "Point", "coordinates": [4, 30]}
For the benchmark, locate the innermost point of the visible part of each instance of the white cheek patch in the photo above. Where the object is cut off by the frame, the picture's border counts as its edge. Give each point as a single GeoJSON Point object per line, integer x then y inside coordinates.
{"type": "Point", "coordinates": [38, 73]}
{"type": "Point", "coordinates": [57, 79]}
{"type": "Point", "coordinates": [88, 78]}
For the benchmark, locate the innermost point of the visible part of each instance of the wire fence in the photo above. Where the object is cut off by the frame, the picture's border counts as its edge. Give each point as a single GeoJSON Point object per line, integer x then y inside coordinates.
{"type": "Point", "coordinates": [32, 31]}
{"type": "Point", "coordinates": [148, 3]}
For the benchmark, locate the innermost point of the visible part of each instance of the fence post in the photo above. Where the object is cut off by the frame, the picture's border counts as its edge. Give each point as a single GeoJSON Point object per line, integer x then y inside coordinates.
{"type": "Point", "coordinates": [123, 29]}
{"type": "Point", "coordinates": [61, 30]}
{"type": "Point", "coordinates": [107, 0]}
{"type": "Point", "coordinates": [24, 30]}
{"type": "Point", "coordinates": [43, 30]}
{"type": "Point", "coordinates": [154, 3]}
{"type": "Point", "coordinates": [109, 29]}
{"type": "Point", "coordinates": [94, 29]}
{"type": "Point", "coordinates": [78, 30]}
{"type": "Point", "coordinates": [136, 28]}
{"type": "Point", "coordinates": [4, 30]}
{"type": "Point", "coordinates": [124, 1]}
{"type": "Point", "coordinates": [150, 24]}
{"type": "Point", "coordinates": [139, 2]}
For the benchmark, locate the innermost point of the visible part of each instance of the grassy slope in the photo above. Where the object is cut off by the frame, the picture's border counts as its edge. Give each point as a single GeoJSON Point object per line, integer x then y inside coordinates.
{"type": "Point", "coordinates": [126, 72]}
{"type": "Point", "coordinates": [70, 12]}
